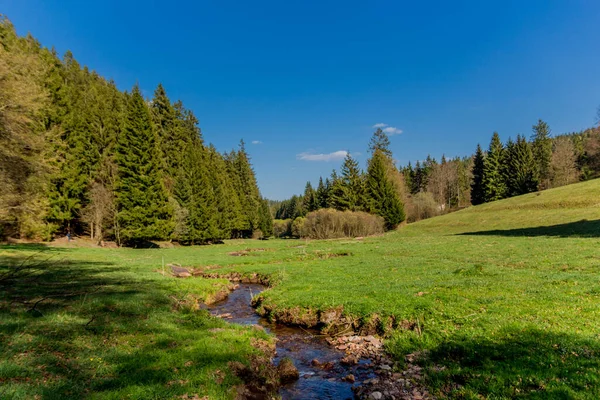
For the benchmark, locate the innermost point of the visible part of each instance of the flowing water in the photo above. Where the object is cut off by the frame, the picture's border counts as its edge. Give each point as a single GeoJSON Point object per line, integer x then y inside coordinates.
{"type": "Point", "coordinates": [301, 346]}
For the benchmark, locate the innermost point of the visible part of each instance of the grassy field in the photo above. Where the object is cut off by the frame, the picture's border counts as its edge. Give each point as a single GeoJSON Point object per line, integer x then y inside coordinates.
{"type": "Point", "coordinates": [506, 297]}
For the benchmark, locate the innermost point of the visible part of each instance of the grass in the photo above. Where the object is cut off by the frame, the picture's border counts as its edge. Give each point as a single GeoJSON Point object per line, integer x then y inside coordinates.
{"type": "Point", "coordinates": [505, 295]}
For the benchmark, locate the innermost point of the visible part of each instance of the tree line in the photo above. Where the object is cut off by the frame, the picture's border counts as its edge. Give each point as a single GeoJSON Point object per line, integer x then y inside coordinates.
{"type": "Point", "coordinates": [378, 190]}
{"type": "Point", "coordinates": [430, 187]}
{"type": "Point", "coordinates": [77, 155]}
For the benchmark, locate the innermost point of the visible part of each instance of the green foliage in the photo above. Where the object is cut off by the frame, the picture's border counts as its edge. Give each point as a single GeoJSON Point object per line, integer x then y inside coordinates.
{"type": "Point", "coordinates": [542, 152]}
{"type": "Point", "coordinates": [380, 142]}
{"type": "Point", "coordinates": [477, 187]}
{"type": "Point", "coordinates": [309, 200]}
{"type": "Point", "coordinates": [266, 220]}
{"type": "Point", "coordinates": [298, 227]}
{"type": "Point", "coordinates": [382, 199]}
{"type": "Point", "coordinates": [494, 185]}
{"type": "Point", "coordinates": [282, 228]}
{"type": "Point", "coordinates": [328, 223]}
{"type": "Point", "coordinates": [322, 194]}
{"type": "Point", "coordinates": [142, 205]}
{"type": "Point", "coordinates": [348, 191]}
{"type": "Point", "coordinates": [520, 174]}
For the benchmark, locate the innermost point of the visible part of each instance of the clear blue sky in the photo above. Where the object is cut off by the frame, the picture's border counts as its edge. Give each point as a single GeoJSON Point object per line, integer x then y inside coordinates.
{"type": "Point", "coordinates": [310, 79]}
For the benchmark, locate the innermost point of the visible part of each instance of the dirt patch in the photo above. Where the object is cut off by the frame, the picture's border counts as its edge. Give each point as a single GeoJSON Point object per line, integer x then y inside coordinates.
{"type": "Point", "coordinates": [327, 255]}
{"type": "Point", "coordinates": [332, 321]}
{"type": "Point", "coordinates": [262, 379]}
{"type": "Point", "coordinates": [392, 383]}
{"type": "Point", "coordinates": [246, 252]}
{"type": "Point", "coordinates": [235, 277]}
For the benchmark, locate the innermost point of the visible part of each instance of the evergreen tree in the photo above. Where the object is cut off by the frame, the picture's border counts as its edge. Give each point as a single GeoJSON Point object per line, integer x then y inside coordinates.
{"type": "Point", "coordinates": [417, 179]}
{"type": "Point", "coordinates": [477, 188]}
{"type": "Point", "coordinates": [246, 189]}
{"type": "Point", "coordinates": [522, 168]}
{"type": "Point", "coordinates": [409, 175]}
{"type": "Point", "coordinates": [266, 220]}
{"type": "Point", "coordinates": [494, 186]}
{"type": "Point", "coordinates": [542, 152]}
{"type": "Point", "coordinates": [380, 141]}
{"type": "Point", "coordinates": [382, 198]}
{"type": "Point", "coordinates": [143, 209]}
{"type": "Point", "coordinates": [309, 200]}
{"type": "Point", "coordinates": [348, 190]}
{"type": "Point", "coordinates": [322, 194]}
{"type": "Point", "coordinates": [330, 184]}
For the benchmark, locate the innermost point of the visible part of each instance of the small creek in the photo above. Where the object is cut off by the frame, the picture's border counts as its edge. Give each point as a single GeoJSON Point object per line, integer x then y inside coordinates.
{"type": "Point", "coordinates": [301, 346]}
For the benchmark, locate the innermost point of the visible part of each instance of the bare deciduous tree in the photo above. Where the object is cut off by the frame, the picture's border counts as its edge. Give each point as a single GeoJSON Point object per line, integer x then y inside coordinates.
{"type": "Point", "coordinates": [563, 165]}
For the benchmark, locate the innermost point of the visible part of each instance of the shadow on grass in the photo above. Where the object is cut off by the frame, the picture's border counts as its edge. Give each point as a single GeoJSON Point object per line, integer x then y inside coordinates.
{"type": "Point", "coordinates": [70, 330]}
{"type": "Point", "coordinates": [583, 228]}
{"type": "Point", "coordinates": [519, 363]}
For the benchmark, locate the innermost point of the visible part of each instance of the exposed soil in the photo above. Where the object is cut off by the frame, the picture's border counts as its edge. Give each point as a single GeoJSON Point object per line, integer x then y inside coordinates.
{"type": "Point", "coordinates": [315, 366]}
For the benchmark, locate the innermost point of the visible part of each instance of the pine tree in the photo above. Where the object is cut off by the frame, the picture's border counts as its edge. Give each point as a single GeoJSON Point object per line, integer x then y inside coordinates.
{"type": "Point", "coordinates": [143, 209]}
{"type": "Point", "coordinates": [494, 185]}
{"type": "Point", "coordinates": [477, 188]}
{"type": "Point", "coordinates": [542, 152]}
{"type": "Point", "coordinates": [382, 198]}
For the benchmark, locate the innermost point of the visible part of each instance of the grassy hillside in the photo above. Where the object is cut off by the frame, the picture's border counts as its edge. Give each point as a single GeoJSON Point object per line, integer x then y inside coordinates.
{"type": "Point", "coordinates": [502, 300]}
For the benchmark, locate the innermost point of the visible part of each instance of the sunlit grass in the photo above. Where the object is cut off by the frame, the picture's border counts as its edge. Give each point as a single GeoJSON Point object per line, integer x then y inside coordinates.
{"type": "Point", "coordinates": [506, 296]}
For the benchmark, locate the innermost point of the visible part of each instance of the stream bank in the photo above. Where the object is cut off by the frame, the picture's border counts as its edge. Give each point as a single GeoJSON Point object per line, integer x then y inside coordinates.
{"type": "Point", "coordinates": [344, 367]}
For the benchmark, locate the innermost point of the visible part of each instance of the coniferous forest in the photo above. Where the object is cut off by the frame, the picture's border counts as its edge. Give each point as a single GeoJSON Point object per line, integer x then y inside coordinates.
{"type": "Point", "coordinates": [79, 156]}
{"type": "Point", "coordinates": [430, 188]}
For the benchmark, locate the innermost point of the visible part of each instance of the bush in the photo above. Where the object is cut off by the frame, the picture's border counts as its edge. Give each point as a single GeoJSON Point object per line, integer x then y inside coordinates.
{"type": "Point", "coordinates": [422, 206]}
{"type": "Point", "coordinates": [282, 228]}
{"type": "Point", "coordinates": [328, 223]}
{"type": "Point", "coordinates": [298, 227]}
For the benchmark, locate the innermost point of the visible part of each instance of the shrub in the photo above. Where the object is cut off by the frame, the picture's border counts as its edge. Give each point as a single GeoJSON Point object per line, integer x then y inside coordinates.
{"type": "Point", "coordinates": [422, 206]}
{"type": "Point", "coordinates": [330, 224]}
{"type": "Point", "coordinates": [298, 227]}
{"type": "Point", "coordinates": [282, 228]}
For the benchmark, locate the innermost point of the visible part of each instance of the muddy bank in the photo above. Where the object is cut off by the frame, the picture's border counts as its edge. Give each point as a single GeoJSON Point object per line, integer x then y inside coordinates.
{"type": "Point", "coordinates": [323, 367]}
{"type": "Point", "coordinates": [332, 321]}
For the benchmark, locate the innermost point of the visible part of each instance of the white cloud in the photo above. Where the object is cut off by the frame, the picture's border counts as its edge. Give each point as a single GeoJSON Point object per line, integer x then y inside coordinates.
{"type": "Point", "coordinates": [380, 125]}
{"type": "Point", "coordinates": [256, 142]}
{"type": "Point", "coordinates": [392, 130]}
{"type": "Point", "coordinates": [336, 155]}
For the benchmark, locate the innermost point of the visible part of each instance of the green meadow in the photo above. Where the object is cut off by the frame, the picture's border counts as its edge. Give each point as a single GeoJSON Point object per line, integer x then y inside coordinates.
{"type": "Point", "coordinates": [506, 298]}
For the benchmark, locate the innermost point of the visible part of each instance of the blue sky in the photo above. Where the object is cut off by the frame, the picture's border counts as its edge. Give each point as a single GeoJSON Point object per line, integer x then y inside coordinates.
{"type": "Point", "coordinates": [307, 81]}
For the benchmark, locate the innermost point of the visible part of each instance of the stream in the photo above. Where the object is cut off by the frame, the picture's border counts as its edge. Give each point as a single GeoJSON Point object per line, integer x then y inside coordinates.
{"type": "Point", "coordinates": [301, 346]}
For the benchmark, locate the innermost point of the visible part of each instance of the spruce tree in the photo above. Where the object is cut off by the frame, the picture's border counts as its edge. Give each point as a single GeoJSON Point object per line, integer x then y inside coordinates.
{"type": "Point", "coordinates": [494, 186]}
{"type": "Point", "coordinates": [266, 220]}
{"type": "Point", "coordinates": [322, 195]}
{"type": "Point", "coordinates": [246, 189]}
{"type": "Point", "coordinates": [380, 141]}
{"type": "Point", "coordinates": [542, 152]}
{"type": "Point", "coordinates": [348, 190]}
{"type": "Point", "coordinates": [143, 209]}
{"type": "Point", "coordinates": [309, 200]}
{"type": "Point", "coordinates": [382, 199]}
{"type": "Point", "coordinates": [477, 188]}
{"type": "Point", "coordinates": [522, 177]}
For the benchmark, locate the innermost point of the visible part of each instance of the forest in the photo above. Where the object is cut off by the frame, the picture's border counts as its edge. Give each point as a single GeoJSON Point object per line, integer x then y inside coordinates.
{"type": "Point", "coordinates": [432, 188]}
{"type": "Point", "coordinates": [79, 156]}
